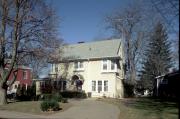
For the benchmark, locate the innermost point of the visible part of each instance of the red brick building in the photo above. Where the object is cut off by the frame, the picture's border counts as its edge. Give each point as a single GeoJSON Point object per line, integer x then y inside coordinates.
{"type": "Point", "coordinates": [24, 77]}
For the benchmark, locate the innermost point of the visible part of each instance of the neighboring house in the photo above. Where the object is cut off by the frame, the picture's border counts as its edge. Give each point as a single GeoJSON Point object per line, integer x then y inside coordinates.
{"type": "Point", "coordinates": [94, 67]}
{"type": "Point", "coordinates": [24, 77]}
{"type": "Point", "coordinates": [167, 85]}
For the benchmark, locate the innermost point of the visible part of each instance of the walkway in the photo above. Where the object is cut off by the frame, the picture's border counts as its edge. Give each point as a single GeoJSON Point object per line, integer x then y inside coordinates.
{"type": "Point", "coordinates": [83, 109]}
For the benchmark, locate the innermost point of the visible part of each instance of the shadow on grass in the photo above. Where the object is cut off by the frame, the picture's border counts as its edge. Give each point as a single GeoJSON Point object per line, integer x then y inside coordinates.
{"type": "Point", "coordinates": [153, 106]}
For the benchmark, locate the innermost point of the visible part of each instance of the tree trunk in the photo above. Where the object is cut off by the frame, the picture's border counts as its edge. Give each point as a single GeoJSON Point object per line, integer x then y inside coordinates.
{"type": "Point", "coordinates": [3, 95]}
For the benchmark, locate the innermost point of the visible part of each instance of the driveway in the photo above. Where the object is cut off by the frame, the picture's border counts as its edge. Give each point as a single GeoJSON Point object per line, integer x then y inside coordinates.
{"type": "Point", "coordinates": [82, 109]}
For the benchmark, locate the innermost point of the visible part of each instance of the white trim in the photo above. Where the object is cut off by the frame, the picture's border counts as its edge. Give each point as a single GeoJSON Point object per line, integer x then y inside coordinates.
{"type": "Point", "coordinates": [100, 86]}
{"type": "Point", "coordinates": [78, 63]}
{"type": "Point", "coordinates": [106, 85]}
{"type": "Point", "coordinates": [25, 77]}
{"type": "Point", "coordinates": [108, 67]}
{"type": "Point", "coordinates": [93, 85]}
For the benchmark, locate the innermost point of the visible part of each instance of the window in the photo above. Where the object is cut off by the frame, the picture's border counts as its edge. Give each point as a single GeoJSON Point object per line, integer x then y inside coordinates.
{"type": "Point", "coordinates": [105, 64]}
{"type": "Point", "coordinates": [105, 85]}
{"type": "Point", "coordinates": [55, 67]}
{"type": "Point", "coordinates": [42, 84]}
{"type": "Point", "coordinates": [113, 65]}
{"type": "Point", "coordinates": [64, 85]}
{"type": "Point", "coordinates": [99, 86]}
{"type": "Point", "coordinates": [24, 75]}
{"type": "Point", "coordinates": [55, 84]}
{"type": "Point", "coordinates": [78, 65]}
{"type": "Point", "coordinates": [93, 85]}
{"type": "Point", "coordinates": [15, 86]}
{"type": "Point", "coordinates": [109, 66]}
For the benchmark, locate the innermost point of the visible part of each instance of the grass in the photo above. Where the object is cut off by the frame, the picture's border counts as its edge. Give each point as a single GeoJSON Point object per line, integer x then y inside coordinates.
{"type": "Point", "coordinates": [145, 108]}
{"type": "Point", "coordinates": [32, 107]}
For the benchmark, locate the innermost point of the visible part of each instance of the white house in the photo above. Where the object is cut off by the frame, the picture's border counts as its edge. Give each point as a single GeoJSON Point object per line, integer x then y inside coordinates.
{"type": "Point", "coordinates": [97, 65]}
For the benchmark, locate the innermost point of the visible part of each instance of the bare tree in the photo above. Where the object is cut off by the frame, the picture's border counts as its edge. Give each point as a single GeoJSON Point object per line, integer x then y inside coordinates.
{"type": "Point", "coordinates": [169, 11]}
{"type": "Point", "coordinates": [28, 29]}
{"type": "Point", "coordinates": [130, 23]}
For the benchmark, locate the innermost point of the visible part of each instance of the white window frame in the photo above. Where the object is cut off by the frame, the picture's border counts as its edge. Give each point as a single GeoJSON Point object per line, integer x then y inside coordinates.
{"type": "Point", "coordinates": [56, 67]}
{"type": "Point", "coordinates": [79, 64]}
{"type": "Point", "coordinates": [109, 62]}
{"type": "Point", "coordinates": [115, 65]}
{"type": "Point", "coordinates": [93, 86]}
{"type": "Point", "coordinates": [99, 86]}
{"type": "Point", "coordinates": [106, 86]}
{"type": "Point", "coordinates": [24, 76]}
{"type": "Point", "coordinates": [104, 62]}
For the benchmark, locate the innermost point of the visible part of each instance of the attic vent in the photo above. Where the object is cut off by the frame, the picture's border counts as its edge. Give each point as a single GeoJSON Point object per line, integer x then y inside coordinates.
{"type": "Point", "coordinates": [80, 42]}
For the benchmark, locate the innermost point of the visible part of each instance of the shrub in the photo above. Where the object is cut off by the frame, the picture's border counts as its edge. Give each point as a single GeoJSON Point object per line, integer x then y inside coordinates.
{"type": "Point", "coordinates": [64, 100]}
{"type": "Point", "coordinates": [32, 91]}
{"type": "Point", "coordinates": [129, 87]}
{"type": "Point", "coordinates": [81, 95]}
{"type": "Point", "coordinates": [57, 97]}
{"type": "Point", "coordinates": [44, 105]}
{"type": "Point", "coordinates": [49, 105]}
{"type": "Point", "coordinates": [46, 89]}
{"type": "Point", "coordinates": [73, 94]}
{"type": "Point", "coordinates": [46, 97]}
{"type": "Point", "coordinates": [22, 94]}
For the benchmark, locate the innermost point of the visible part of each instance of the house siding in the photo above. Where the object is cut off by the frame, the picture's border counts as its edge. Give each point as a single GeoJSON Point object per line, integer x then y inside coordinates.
{"type": "Point", "coordinates": [20, 79]}
{"type": "Point", "coordinates": [92, 54]}
{"type": "Point", "coordinates": [93, 72]}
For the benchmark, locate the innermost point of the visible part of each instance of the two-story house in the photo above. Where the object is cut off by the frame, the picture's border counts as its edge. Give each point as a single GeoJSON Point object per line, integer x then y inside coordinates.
{"type": "Point", "coordinates": [95, 67]}
{"type": "Point", "coordinates": [24, 77]}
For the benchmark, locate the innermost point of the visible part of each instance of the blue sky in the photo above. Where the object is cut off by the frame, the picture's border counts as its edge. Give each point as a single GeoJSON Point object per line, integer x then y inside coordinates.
{"type": "Point", "coordinates": [83, 20]}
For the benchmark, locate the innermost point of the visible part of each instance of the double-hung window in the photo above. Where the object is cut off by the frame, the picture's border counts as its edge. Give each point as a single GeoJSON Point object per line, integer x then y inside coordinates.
{"type": "Point", "coordinates": [105, 65]}
{"type": "Point", "coordinates": [78, 65]}
{"type": "Point", "coordinates": [109, 66]}
{"type": "Point", "coordinates": [105, 85]}
{"type": "Point", "coordinates": [24, 75]}
{"type": "Point", "coordinates": [56, 68]}
{"type": "Point", "coordinates": [113, 65]}
{"type": "Point", "coordinates": [93, 85]}
{"type": "Point", "coordinates": [99, 86]}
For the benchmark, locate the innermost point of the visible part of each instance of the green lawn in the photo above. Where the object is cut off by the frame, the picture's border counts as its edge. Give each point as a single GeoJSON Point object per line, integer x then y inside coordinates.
{"type": "Point", "coordinates": [32, 107]}
{"type": "Point", "coordinates": [145, 108]}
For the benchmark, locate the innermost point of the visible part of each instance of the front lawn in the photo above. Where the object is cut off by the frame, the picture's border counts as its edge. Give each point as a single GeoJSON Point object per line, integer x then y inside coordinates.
{"type": "Point", "coordinates": [144, 108]}
{"type": "Point", "coordinates": [32, 107]}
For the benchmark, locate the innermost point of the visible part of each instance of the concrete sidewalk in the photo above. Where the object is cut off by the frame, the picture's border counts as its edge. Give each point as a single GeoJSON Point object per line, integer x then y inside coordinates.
{"type": "Point", "coordinates": [82, 109]}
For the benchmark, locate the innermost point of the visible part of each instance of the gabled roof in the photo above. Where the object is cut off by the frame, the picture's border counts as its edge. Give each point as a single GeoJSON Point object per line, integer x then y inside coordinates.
{"type": "Point", "coordinates": [91, 50]}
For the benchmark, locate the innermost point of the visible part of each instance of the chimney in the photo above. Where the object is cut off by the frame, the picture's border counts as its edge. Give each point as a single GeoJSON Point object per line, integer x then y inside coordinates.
{"type": "Point", "coordinates": [80, 42]}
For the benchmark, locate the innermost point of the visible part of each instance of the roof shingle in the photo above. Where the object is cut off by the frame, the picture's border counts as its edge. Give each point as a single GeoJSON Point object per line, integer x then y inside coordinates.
{"type": "Point", "coordinates": [90, 50]}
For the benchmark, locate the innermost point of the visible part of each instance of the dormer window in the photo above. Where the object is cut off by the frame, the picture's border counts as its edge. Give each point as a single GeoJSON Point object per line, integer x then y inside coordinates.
{"type": "Point", "coordinates": [78, 65]}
